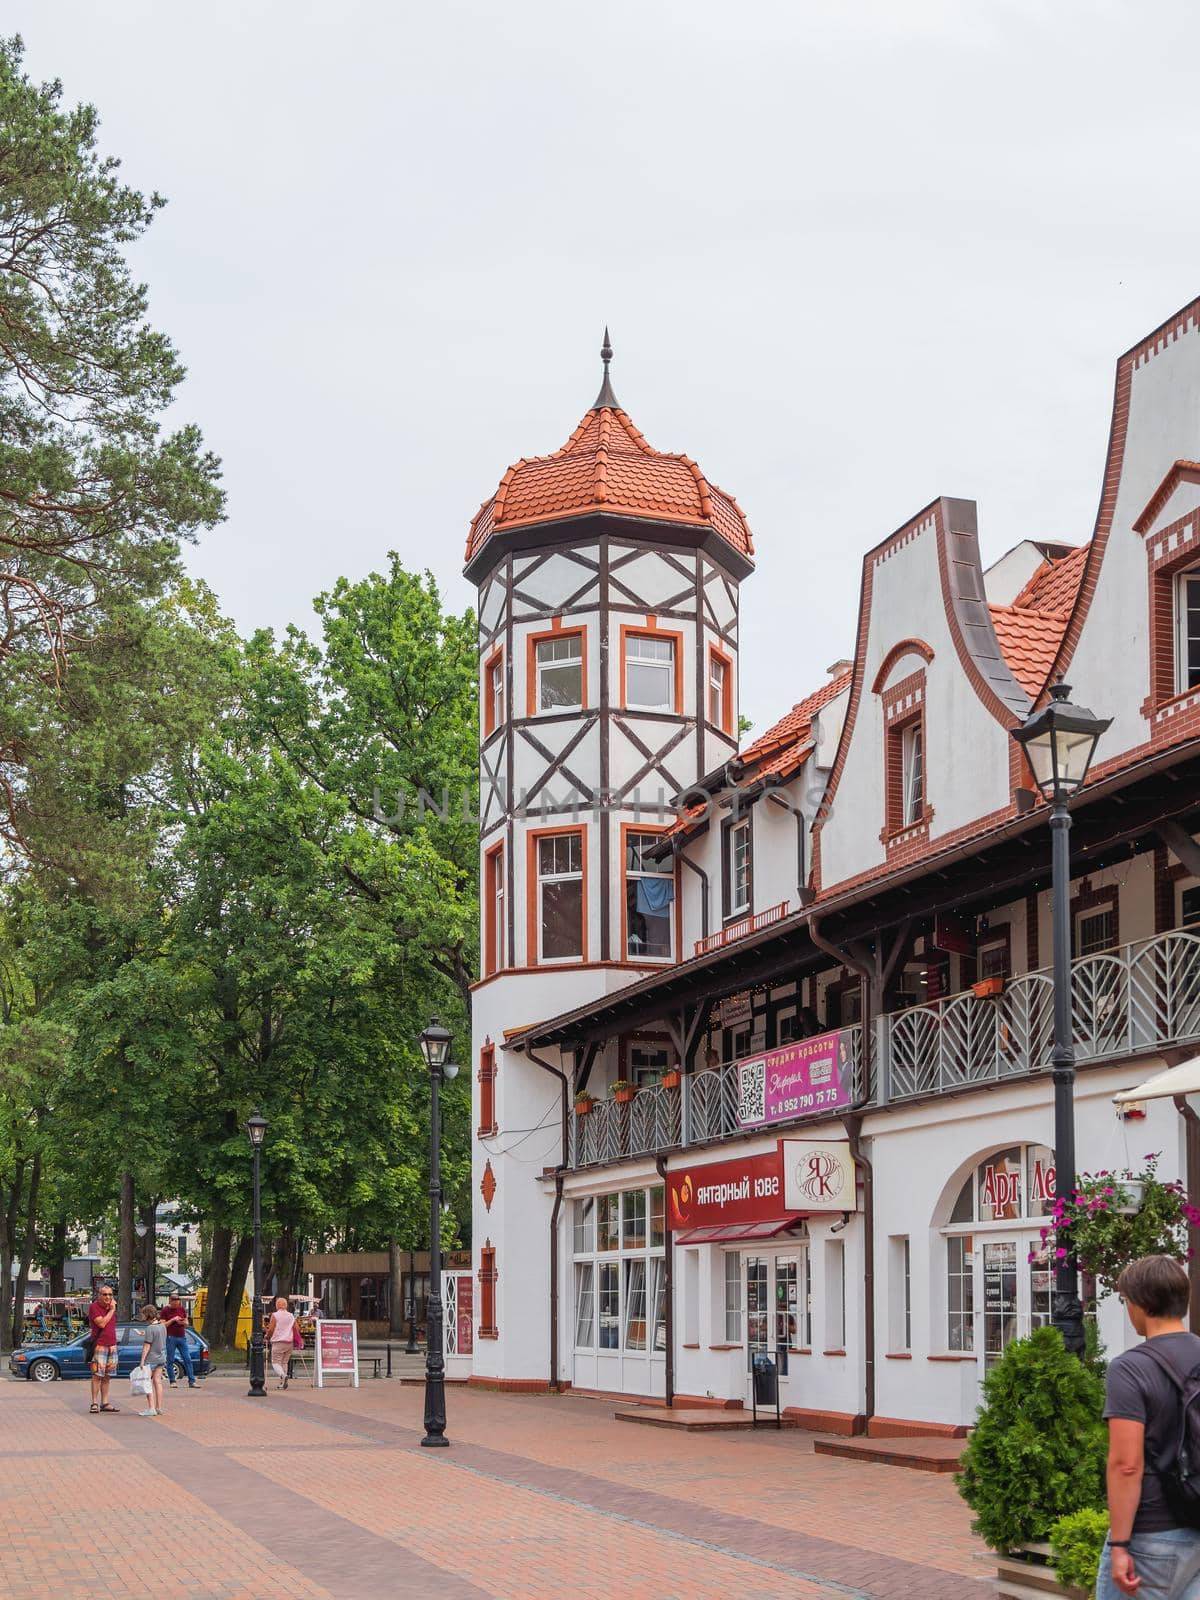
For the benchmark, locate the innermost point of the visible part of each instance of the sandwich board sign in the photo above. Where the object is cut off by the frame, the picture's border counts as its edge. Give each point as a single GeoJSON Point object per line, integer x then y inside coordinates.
{"type": "Point", "coordinates": [337, 1350]}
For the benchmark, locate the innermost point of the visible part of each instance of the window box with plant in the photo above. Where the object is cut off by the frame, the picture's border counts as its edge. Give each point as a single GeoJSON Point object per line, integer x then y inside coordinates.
{"type": "Point", "coordinates": [623, 1091]}
{"type": "Point", "coordinates": [584, 1103]}
{"type": "Point", "coordinates": [1114, 1218]}
{"type": "Point", "coordinates": [672, 1078]}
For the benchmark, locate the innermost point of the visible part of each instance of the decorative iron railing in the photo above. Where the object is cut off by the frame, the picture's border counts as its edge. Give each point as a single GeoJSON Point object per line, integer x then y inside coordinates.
{"type": "Point", "coordinates": [734, 931]}
{"type": "Point", "coordinates": [1125, 1001]}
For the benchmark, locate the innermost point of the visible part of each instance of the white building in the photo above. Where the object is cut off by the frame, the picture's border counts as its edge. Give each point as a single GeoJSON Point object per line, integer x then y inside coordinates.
{"type": "Point", "coordinates": [840, 943]}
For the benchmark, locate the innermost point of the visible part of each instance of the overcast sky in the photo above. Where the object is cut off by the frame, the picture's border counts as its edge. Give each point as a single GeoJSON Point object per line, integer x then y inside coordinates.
{"type": "Point", "coordinates": [853, 255]}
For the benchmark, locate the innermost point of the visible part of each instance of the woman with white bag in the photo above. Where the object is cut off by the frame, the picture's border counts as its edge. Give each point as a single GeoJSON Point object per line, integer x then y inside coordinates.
{"type": "Point", "coordinates": [154, 1360]}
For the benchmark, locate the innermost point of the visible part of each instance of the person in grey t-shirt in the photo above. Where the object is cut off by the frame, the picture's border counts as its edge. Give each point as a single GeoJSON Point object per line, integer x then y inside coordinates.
{"type": "Point", "coordinates": [1147, 1553]}
{"type": "Point", "coordinates": [154, 1356]}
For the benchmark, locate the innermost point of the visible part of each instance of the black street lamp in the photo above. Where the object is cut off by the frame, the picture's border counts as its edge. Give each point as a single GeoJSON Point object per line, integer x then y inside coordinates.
{"type": "Point", "coordinates": [256, 1131]}
{"type": "Point", "coordinates": [1059, 742]}
{"type": "Point", "coordinates": [435, 1047]}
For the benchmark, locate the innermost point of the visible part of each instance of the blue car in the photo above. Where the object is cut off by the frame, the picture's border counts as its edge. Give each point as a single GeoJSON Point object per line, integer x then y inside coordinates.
{"type": "Point", "coordinates": [43, 1363]}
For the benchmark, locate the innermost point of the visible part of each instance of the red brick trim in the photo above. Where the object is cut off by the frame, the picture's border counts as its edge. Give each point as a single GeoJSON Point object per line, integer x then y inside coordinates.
{"type": "Point", "coordinates": [906, 647]}
{"type": "Point", "coordinates": [902, 1428]}
{"type": "Point", "coordinates": [903, 706]}
{"type": "Point", "coordinates": [898, 1355]}
{"type": "Point", "coordinates": [1180, 472]}
{"type": "Point", "coordinates": [1169, 552]}
{"type": "Point", "coordinates": [706, 1402]}
{"type": "Point", "coordinates": [965, 1355]}
{"type": "Point", "coordinates": [846, 1423]}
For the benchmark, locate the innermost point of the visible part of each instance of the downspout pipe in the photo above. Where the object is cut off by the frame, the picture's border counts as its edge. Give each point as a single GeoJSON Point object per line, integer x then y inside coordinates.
{"type": "Point", "coordinates": [853, 1126]}
{"type": "Point", "coordinates": [660, 1166]}
{"type": "Point", "coordinates": [677, 851]}
{"type": "Point", "coordinates": [559, 1174]}
{"type": "Point", "coordinates": [803, 893]}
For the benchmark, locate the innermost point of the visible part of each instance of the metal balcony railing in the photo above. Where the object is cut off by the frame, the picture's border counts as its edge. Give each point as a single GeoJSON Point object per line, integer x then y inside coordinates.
{"type": "Point", "coordinates": [739, 929]}
{"type": "Point", "coordinates": [1134, 997]}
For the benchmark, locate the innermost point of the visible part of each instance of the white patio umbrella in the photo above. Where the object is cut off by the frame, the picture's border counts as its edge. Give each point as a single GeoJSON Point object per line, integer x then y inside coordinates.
{"type": "Point", "coordinates": [1183, 1079]}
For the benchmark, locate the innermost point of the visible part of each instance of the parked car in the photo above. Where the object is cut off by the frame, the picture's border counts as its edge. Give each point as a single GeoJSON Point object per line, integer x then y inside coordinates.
{"type": "Point", "coordinates": [44, 1363]}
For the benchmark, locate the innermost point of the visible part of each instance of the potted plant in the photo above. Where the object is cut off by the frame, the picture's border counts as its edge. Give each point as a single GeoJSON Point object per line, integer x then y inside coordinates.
{"type": "Point", "coordinates": [623, 1091]}
{"type": "Point", "coordinates": [988, 988]}
{"type": "Point", "coordinates": [1113, 1218]}
{"type": "Point", "coordinates": [1037, 1453]}
{"type": "Point", "coordinates": [1076, 1544]}
{"type": "Point", "coordinates": [584, 1103]}
{"type": "Point", "coordinates": [672, 1078]}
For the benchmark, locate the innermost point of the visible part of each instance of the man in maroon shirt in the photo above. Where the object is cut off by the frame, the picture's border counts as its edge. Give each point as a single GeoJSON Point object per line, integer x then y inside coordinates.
{"type": "Point", "coordinates": [176, 1318]}
{"type": "Point", "coordinates": [102, 1318]}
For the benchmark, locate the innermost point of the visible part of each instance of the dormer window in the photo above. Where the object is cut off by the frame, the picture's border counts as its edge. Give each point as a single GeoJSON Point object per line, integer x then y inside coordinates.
{"type": "Point", "coordinates": [1187, 631]}
{"type": "Point", "coordinates": [913, 774]}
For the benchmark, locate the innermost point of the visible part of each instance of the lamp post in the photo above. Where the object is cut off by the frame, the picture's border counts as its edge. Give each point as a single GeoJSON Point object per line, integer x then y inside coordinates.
{"type": "Point", "coordinates": [256, 1132]}
{"type": "Point", "coordinates": [1059, 741]}
{"type": "Point", "coordinates": [435, 1047]}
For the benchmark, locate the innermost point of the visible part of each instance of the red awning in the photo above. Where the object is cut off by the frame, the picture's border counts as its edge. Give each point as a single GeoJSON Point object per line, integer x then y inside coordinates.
{"type": "Point", "coordinates": [729, 1231]}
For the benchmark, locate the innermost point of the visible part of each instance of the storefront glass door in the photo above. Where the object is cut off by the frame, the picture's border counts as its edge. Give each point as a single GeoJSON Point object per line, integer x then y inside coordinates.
{"type": "Point", "coordinates": [1016, 1293]}
{"type": "Point", "coordinates": [777, 1311]}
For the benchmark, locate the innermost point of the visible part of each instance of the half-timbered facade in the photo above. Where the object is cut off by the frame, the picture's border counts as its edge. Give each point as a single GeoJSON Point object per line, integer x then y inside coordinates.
{"type": "Point", "coordinates": [836, 1140]}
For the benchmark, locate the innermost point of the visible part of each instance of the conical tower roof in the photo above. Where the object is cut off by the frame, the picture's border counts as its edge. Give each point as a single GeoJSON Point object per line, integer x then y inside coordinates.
{"type": "Point", "coordinates": [607, 466]}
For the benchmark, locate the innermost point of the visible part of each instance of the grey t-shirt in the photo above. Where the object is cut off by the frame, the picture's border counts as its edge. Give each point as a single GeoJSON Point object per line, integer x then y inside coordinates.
{"type": "Point", "coordinates": [1138, 1390]}
{"type": "Point", "coordinates": [155, 1336]}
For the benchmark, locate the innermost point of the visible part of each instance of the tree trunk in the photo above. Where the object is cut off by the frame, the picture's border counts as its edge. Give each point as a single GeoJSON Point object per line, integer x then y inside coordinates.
{"type": "Point", "coordinates": [9, 1203]}
{"type": "Point", "coordinates": [395, 1290]}
{"type": "Point", "coordinates": [216, 1281]}
{"type": "Point", "coordinates": [58, 1262]}
{"type": "Point", "coordinates": [242, 1258]}
{"type": "Point", "coordinates": [148, 1253]}
{"type": "Point", "coordinates": [126, 1251]}
{"type": "Point", "coordinates": [295, 1268]}
{"type": "Point", "coordinates": [27, 1245]}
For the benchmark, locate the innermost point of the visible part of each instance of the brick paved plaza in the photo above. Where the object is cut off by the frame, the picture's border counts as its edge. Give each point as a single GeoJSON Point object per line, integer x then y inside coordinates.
{"type": "Point", "coordinates": [328, 1496]}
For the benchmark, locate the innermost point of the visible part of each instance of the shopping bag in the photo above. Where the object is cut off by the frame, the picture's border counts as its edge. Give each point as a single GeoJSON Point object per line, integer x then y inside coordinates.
{"type": "Point", "coordinates": [139, 1381]}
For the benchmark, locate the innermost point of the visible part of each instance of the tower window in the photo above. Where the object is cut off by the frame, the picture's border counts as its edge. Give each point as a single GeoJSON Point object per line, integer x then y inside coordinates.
{"type": "Point", "coordinates": [559, 667]}
{"type": "Point", "coordinates": [493, 911]}
{"type": "Point", "coordinates": [493, 694]}
{"type": "Point", "coordinates": [650, 672]}
{"type": "Point", "coordinates": [1187, 631]}
{"type": "Point", "coordinates": [560, 896]}
{"type": "Point", "coordinates": [720, 700]}
{"type": "Point", "coordinates": [649, 900]}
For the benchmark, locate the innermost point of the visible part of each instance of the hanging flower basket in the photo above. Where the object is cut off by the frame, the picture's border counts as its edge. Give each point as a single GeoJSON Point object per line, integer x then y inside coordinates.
{"type": "Point", "coordinates": [672, 1079]}
{"type": "Point", "coordinates": [1113, 1218]}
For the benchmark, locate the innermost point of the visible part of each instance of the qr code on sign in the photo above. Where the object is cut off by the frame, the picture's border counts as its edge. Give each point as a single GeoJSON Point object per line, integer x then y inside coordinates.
{"type": "Point", "coordinates": [752, 1091]}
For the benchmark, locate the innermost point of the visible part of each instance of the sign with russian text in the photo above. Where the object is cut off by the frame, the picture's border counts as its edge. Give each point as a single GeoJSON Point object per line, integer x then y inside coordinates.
{"type": "Point", "coordinates": [337, 1350]}
{"type": "Point", "coordinates": [801, 1079]}
{"type": "Point", "coordinates": [818, 1176]}
{"type": "Point", "coordinates": [749, 1189]}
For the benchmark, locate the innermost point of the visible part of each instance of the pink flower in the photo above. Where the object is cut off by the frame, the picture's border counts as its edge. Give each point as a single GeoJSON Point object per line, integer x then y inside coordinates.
{"type": "Point", "coordinates": [1060, 1253]}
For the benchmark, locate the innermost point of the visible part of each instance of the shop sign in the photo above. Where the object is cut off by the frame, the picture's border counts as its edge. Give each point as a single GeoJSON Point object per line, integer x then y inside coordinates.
{"type": "Point", "coordinates": [337, 1350]}
{"type": "Point", "coordinates": [797, 1080]}
{"type": "Point", "coordinates": [749, 1189]}
{"type": "Point", "coordinates": [734, 1010]}
{"type": "Point", "coordinates": [818, 1176]}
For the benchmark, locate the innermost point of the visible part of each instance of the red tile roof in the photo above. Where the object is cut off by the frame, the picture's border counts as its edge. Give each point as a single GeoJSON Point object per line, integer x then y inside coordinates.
{"type": "Point", "coordinates": [606, 465]}
{"type": "Point", "coordinates": [781, 750]}
{"type": "Point", "coordinates": [1030, 630]}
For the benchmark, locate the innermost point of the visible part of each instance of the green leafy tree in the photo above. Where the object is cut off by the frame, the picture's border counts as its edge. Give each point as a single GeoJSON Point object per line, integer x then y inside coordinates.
{"type": "Point", "coordinates": [94, 497]}
{"type": "Point", "coordinates": [1039, 1446]}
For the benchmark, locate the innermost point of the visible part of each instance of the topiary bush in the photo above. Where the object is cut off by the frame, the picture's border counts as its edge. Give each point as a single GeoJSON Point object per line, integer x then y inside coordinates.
{"type": "Point", "coordinates": [1077, 1542]}
{"type": "Point", "coordinates": [1039, 1446]}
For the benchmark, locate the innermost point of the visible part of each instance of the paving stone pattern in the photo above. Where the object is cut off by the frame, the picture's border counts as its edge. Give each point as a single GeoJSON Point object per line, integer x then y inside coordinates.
{"type": "Point", "coordinates": [328, 1496]}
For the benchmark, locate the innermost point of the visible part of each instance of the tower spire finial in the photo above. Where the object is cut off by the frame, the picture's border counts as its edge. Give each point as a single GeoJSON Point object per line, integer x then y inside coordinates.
{"type": "Point", "coordinates": [606, 397]}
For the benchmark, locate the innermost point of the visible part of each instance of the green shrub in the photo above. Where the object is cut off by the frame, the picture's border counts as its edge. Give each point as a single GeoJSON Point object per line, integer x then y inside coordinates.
{"type": "Point", "coordinates": [1039, 1446]}
{"type": "Point", "coordinates": [1077, 1542]}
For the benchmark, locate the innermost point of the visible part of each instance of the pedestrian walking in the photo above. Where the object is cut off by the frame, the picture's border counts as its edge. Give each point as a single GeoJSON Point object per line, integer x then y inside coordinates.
{"type": "Point", "coordinates": [279, 1337]}
{"type": "Point", "coordinates": [1151, 1551]}
{"type": "Point", "coordinates": [102, 1320]}
{"type": "Point", "coordinates": [154, 1356]}
{"type": "Point", "coordinates": [175, 1319]}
